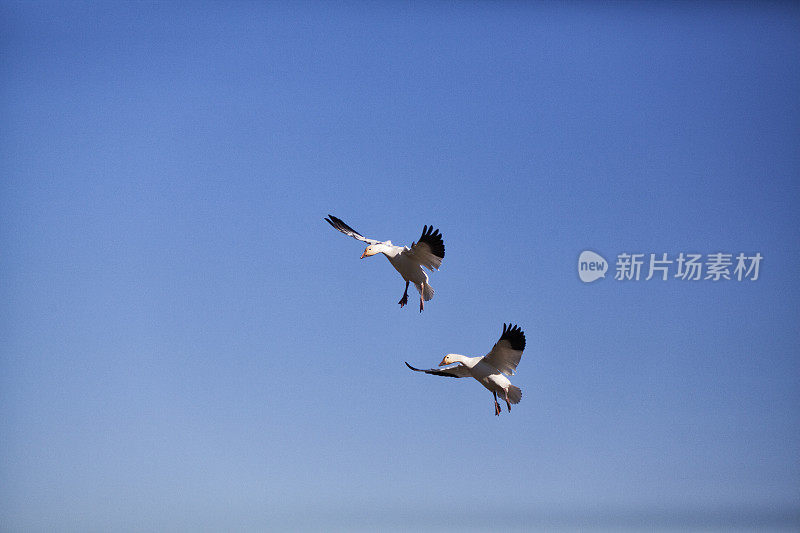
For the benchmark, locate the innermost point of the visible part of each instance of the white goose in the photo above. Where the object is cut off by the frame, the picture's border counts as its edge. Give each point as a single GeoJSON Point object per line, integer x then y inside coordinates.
{"type": "Point", "coordinates": [491, 369]}
{"type": "Point", "coordinates": [408, 261]}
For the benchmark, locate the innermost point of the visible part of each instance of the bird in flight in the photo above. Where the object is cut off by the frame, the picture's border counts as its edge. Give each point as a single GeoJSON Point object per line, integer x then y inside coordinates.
{"type": "Point", "coordinates": [428, 252]}
{"type": "Point", "coordinates": [492, 369]}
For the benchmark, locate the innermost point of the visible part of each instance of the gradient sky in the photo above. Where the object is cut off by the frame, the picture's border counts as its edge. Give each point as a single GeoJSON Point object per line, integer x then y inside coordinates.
{"type": "Point", "coordinates": [185, 344]}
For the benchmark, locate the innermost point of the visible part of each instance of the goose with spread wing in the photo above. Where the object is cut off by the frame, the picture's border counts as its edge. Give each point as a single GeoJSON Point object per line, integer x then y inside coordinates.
{"type": "Point", "coordinates": [491, 369]}
{"type": "Point", "coordinates": [428, 252]}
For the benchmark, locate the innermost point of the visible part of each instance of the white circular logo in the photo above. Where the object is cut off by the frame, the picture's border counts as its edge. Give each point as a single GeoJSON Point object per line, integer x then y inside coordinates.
{"type": "Point", "coordinates": [591, 266]}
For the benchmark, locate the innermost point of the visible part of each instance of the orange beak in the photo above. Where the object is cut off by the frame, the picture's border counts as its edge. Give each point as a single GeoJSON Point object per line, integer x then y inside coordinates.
{"type": "Point", "coordinates": [363, 254]}
{"type": "Point", "coordinates": [443, 363]}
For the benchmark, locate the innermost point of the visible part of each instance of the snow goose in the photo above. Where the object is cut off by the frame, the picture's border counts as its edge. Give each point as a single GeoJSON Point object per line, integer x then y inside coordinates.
{"type": "Point", "coordinates": [491, 369]}
{"type": "Point", "coordinates": [428, 252]}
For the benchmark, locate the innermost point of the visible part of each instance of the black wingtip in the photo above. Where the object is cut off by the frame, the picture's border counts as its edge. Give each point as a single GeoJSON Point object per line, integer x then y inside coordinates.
{"type": "Point", "coordinates": [333, 224]}
{"type": "Point", "coordinates": [339, 224]}
{"type": "Point", "coordinates": [514, 335]}
{"type": "Point", "coordinates": [433, 239]}
{"type": "Point", "coordinates": [433, 372]}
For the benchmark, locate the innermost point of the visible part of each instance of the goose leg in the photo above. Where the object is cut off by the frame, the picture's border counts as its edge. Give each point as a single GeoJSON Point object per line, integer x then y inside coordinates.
{"type": "Point", "coordinates": [404, 300]}
{"type": "Point", "coordinates": [496, 405]}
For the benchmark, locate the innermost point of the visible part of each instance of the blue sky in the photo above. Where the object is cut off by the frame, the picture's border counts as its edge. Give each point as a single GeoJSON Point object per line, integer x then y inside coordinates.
{"type": "Point", "coordinates": [187, 345]}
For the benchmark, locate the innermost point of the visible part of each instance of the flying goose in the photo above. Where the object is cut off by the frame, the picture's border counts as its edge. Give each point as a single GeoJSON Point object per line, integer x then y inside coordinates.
{"type": "Point", "coordinates": [491, 369]}
{"type": "Point", "coordinates": [428, 252]}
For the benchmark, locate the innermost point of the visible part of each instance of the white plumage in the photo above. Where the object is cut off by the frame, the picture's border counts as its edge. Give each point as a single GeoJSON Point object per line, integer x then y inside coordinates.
{"type": "Point", "coordinates": [428, 252]}
{"type": "Point", "coordinates": [492, 369]}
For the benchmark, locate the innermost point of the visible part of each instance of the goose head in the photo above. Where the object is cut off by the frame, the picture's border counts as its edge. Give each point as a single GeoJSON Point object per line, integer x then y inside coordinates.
{"type": "Point", "coordinates": [372, 249]}
{"type": "Point", "coordinates": [449, 359]}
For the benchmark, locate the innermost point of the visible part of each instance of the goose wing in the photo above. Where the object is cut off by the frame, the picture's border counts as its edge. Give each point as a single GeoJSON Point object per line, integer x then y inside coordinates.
{"type": "Point", "coordinates": [428, 251]}
{"type": "Point", "coordinates": [456, 370]}
{"type": "Point", "coordinates": [347, 230]}
{"type": "Point", "coordinates": [507, 352]}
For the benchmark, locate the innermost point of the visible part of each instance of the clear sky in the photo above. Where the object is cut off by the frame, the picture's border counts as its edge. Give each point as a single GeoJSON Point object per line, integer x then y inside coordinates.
{"type": "Point", "coordinates": [185, 344]}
